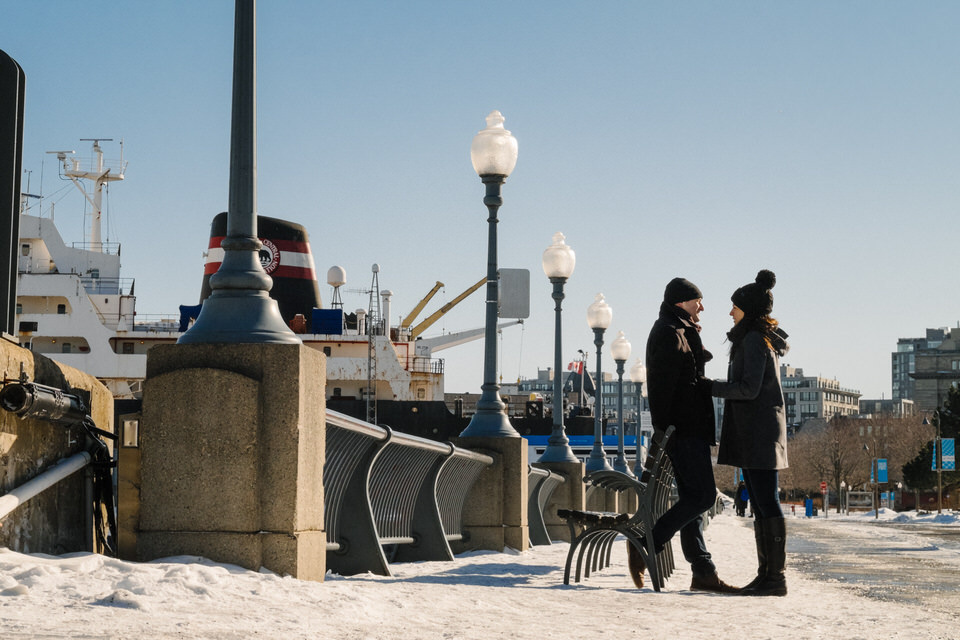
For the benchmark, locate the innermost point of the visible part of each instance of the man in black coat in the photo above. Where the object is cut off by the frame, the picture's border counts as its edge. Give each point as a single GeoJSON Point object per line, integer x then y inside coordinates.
{"type": "Point", "coordinates": [678, 396]}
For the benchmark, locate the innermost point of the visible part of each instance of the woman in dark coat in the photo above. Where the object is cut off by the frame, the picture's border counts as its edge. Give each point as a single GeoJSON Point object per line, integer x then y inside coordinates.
{"type": "Point", "coordinates": [754, 432]}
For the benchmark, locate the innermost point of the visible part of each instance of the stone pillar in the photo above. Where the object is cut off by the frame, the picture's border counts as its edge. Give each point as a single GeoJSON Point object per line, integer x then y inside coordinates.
{"type": "Point", "coordinates": [568, 495]}
{"type": "Point", "coordinates": [495, 514]}
{"type": "Point", "coordinates": [232, 450]}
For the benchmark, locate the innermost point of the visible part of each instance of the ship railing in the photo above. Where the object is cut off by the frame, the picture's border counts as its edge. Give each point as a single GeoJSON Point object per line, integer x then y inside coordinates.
{"type": "Point", "coordinates": [391, 496]}
{"type": "Point", "coordinates": [109, 248]}
{"type": "Point", "coordinates": [157, 323]}
{"type": "Point", "coordinates": [107, 286]}
{"type": "Point", "coordinates": [421, 364]}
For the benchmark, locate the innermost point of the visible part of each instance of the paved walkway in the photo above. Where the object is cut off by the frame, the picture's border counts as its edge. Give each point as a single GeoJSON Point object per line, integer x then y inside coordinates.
{"type": "Point", "coordinates": [908, 563]}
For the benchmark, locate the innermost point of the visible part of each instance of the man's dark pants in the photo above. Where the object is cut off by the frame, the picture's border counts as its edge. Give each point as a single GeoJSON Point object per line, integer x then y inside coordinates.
{"type": "Point", "coordinates": [693, 471]}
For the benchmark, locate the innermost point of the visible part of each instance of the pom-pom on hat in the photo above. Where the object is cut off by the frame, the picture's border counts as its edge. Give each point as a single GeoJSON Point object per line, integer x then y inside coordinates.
{"type": "Point", "coordinates": [680, 290]}
{"type": "Point", "coordinates": [755, 299]}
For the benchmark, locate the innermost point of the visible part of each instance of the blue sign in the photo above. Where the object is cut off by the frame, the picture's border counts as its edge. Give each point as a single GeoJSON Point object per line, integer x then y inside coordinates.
{"type": "Point", "coordinates": [881, 471]}
{"type": "Point", "coordinates": [949, 457]}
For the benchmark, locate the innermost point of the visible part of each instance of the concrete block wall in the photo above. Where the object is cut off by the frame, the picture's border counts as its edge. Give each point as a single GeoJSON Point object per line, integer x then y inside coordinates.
{"type": "Point", "coordinates": [52, 522]}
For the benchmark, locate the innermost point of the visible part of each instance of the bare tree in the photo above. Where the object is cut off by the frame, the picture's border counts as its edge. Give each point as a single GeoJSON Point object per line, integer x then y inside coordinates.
{"type": "Point", "coordinates": [844, 450]}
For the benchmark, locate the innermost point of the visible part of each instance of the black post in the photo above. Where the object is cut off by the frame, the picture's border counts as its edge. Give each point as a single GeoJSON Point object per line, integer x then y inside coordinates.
{"type": "Point", "coordinates": [12, 85]}
{"type": "Point", "coordinates": [239, 309]}
{"type": "Point", "coordinates": [558, 444]}
{"type": "Point", "coordinates": [490, 419]}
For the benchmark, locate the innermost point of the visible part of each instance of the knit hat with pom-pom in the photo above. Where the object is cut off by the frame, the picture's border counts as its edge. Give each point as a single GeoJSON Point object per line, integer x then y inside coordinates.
{"type": "Point", "coordinates": [755, 299]}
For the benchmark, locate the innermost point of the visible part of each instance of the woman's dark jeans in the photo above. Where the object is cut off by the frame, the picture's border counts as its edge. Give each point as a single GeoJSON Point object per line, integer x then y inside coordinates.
{"type": "Point", "coordinates": [763, 487]}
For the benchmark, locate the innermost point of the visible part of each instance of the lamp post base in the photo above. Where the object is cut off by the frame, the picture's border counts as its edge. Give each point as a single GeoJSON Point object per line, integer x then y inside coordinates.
{"type": "Point", "coordinates": [239, 316]}
{"type": "Point", "coordinates": [558, 451]}
{"type": "Point", "coordinates": [489, 424]}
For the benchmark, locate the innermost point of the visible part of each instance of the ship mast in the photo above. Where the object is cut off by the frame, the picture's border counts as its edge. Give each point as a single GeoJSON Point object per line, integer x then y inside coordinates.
{"type": "Point", "coordinates": [99, 176]}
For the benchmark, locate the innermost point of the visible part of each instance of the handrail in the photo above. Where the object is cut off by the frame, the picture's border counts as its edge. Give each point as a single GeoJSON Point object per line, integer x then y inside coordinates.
{"type": "Point", "coordinates": [388, 488]}
{"type": "Point", "coordinates": [63, 469]}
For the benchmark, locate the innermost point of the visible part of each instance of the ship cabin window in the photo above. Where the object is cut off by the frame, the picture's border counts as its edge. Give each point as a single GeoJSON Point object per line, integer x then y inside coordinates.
{"type": "Point", "coordinates": [326, 351]}
{"type": "Point", "coordinates": [66, 347]}
{"type": "Point", "coordinates": [337, 391]}
{"type": "Point", "coordinates": [25, 249]}
{"type": "Point", "coordinates": [61, 309]}
{"type": "Point", "coordinates": [19, 308]}
{"type": "Point", "coordinates": [127, 348]}
{"type": "Point", "coordinates": [421, 393]}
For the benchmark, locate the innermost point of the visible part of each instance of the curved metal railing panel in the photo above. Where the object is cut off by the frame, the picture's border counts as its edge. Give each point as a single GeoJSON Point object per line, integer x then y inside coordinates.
{"type": "Point", "coordinates": [388, 488]}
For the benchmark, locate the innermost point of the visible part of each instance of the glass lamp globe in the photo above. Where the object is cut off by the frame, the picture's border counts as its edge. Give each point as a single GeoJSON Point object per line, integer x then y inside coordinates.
{"type": "Point", "coordinates": [559, 259]}
{"type": "Point", "coordinates": [638, 372]}
{"type": "Point", "coordinates": [494, 150]}
{"type": "Point", "coordinates": [620, 348]}
{"type": "Point", "coordinates": [599, 313]}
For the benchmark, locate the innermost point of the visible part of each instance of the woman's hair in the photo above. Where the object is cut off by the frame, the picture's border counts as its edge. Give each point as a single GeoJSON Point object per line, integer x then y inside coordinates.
{"type": "Point", "coordinates": [765, 325]}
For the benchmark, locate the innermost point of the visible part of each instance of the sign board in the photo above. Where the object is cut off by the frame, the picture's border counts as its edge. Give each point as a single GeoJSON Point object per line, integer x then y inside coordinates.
{"type": "Point", "coordinates": [823, 487]}
{"type": "Point", "coordinates": [949, 457]}
{"type": "Point", "coordinates": [514, 293]}
{"type": "Point", "coordinates": [881, 471]}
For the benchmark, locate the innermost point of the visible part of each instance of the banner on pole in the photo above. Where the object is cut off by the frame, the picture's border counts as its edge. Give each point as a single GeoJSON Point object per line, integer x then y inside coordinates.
{"type": "Point", "coordinates": [949, 457]}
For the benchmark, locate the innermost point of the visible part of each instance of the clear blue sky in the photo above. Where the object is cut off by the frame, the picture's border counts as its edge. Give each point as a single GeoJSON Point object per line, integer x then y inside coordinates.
{"type": "Point", "coordinates": [702, 139]}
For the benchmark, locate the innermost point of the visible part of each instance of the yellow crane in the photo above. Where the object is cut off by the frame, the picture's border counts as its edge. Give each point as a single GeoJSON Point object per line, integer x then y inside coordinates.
{"type": "Point", "coordinates": [420, 328]}
{"type": "Point", "coordinates": [420, 305]}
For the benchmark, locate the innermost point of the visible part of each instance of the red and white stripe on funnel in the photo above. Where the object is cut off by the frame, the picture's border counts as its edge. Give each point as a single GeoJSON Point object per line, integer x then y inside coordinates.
{"type": "Point", "coordinates": [279, 258]}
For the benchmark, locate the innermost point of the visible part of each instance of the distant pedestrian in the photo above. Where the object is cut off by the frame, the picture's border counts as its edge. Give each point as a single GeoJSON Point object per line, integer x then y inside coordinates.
{"type": "Point", "coordinates": [754, 434]}
{"type": "Point", "coordinates": [742, 499]}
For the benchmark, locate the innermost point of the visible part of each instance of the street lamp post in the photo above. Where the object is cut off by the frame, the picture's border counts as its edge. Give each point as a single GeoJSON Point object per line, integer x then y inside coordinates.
{"type": "Point", "coordinates": [843, 489]}
{"type": "Point", "coordinates": [494, 155]}
{"type": "Point", "coordinates": [938, 460]}
{"type": "Point", "coordinates": [638, 374]}
{"type": "Point", "coordinates": [599, 315]}
{"type": "Point", "coordinates": [620, 348]}
{"type": "Point", "coordinates": [239, 308]}
{"type": "Point", "coordinates": [559, 261]}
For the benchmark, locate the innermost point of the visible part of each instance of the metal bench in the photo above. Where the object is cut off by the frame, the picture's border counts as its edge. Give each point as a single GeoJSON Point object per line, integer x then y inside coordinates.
{"type": "Point", "coordinates": [390, 493]}
{"type": "Point", "coordinates": [540, 486]}
{"type": "Point", "coordinates": [593, 532]}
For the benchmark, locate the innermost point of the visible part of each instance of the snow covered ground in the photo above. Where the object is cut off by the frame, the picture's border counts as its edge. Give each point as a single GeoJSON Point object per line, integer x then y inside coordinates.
{"type": "Point", "coordinates": [479, 595]}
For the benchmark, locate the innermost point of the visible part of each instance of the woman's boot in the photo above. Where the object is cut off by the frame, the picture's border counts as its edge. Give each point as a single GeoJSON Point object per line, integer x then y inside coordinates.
{"type": "Point", "coordinates": [774, 538]}
{"type": "Point", "coordinates": [761, 555]}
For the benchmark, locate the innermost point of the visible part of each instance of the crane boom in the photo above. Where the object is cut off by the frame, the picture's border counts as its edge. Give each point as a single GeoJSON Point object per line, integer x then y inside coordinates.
{"type": "Point", "coordinates": [420, 328]}
{"type": "Point", "coordinates": [420, 305]}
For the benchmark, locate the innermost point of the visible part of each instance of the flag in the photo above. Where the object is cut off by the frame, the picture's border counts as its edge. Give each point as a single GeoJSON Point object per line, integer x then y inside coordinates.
{"type": "Point", "coordinates": [576, 367]}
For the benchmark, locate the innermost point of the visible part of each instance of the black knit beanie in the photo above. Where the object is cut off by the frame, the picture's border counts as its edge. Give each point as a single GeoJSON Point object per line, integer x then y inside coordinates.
{"type": "Point", "coordinates": [680, 290]}
{"type": "Point", "coordinates": [755, 299]}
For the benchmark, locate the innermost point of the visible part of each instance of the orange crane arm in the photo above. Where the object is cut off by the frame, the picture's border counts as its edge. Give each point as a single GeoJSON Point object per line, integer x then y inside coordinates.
{"type": "Point", "coordinates": [420, 305]}
{"type": "Point", "coordinates": [420, 328]}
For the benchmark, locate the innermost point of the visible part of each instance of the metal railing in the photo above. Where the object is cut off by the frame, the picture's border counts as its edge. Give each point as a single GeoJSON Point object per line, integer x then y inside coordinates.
{"type": "Point", "coordinates": [540, 486]}
{"type": "Point", "coordinates": [388, 489]}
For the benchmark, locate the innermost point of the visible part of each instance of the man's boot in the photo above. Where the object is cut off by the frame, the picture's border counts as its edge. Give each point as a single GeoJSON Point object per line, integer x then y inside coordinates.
{"type": "Point", "coordinates": [774, 582]}
{"type": "Point", "coordinates": [635, 565]}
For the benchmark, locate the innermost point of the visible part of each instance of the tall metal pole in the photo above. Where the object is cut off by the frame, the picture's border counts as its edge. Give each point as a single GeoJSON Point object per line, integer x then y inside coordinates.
{"type": "Point", "coordinates": [597, 460]}
{"type": "Point", "coordinates": [239, 309]}
{"type": "Point", "coordinates": [620, 463]}
{"type": "Point", "coordinates": [558, 444]}
{"type": "Point", "coordinates": [490, 420]}
{"type": "Point", "coordinates": [939, 464]}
